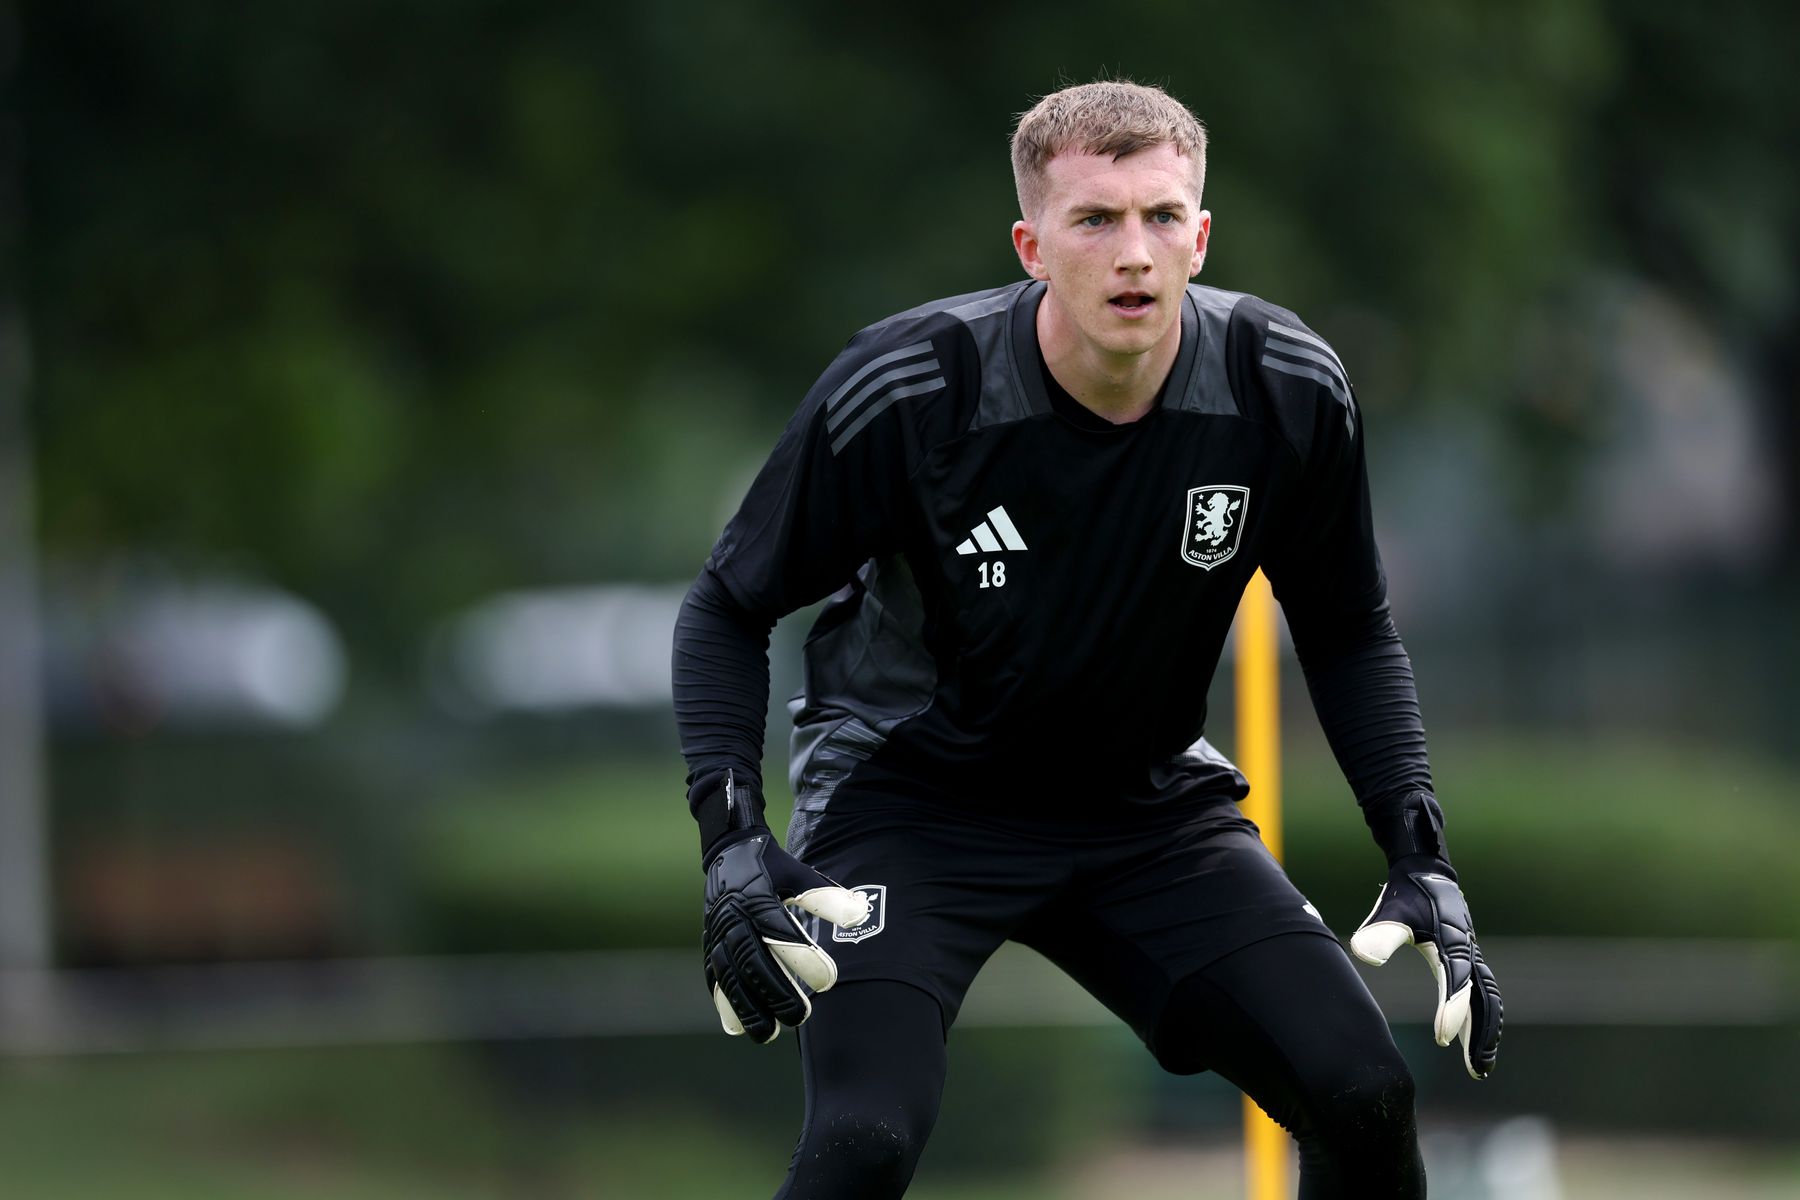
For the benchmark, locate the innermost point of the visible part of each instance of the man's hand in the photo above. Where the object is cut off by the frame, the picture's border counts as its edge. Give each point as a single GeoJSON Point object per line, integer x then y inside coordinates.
{"type": "Point", "coordinates": [1421, 905]}
{"type": "Point", "coordinates": [757, 952]}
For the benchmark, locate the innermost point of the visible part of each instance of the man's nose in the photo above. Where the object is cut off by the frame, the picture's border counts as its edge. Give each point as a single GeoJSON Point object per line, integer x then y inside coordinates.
{"type": "Point", "coordinates": [1134, 249]}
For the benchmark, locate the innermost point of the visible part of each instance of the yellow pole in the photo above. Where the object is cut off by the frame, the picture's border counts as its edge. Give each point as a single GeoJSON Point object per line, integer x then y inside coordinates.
{"type": "Point", "coordinates": [1267, 1148]}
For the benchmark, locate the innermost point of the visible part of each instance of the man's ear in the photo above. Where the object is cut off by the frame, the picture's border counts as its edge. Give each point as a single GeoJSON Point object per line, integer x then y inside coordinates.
{"type": "Point", "coordinates": [1205, 235]}
{"type": "Point", "coordinates": [1025, 242]}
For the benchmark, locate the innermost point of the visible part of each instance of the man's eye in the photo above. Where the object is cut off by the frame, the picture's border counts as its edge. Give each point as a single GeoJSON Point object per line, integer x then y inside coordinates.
{"type": "Point", "coordinates": [1093, 222]}
{"type": "Point", "coordinates": [1163, 218]}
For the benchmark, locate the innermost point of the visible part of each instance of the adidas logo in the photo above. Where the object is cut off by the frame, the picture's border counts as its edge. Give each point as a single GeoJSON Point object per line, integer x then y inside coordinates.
{"type": "Point", "coordinates": [983, 540]}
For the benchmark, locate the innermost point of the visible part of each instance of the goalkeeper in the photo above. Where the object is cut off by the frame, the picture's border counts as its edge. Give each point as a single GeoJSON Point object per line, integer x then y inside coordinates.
{"type": "Point", "coordinates": [1033, 511]}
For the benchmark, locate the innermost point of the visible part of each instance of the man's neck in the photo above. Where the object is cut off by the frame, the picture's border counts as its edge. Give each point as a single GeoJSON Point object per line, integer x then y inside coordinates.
{"type": "Point", "coordinates": [1120, 388]}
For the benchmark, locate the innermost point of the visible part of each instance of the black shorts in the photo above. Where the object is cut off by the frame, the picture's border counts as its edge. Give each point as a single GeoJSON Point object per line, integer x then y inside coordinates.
{"type": "Point", "coordinates": [1128, 905]}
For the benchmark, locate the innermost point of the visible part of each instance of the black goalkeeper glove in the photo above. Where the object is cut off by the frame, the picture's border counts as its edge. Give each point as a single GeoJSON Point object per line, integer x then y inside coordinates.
{"type": "Point", "coordinates": [757, 953]}
{"type": "Point", "coordinates": [1421, 904]}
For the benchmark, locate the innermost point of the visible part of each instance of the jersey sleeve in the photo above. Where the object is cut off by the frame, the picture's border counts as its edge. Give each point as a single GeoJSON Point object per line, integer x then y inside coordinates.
{"type": "Point", "coordinates": [1325, 568]}
{"type": "Point", "coordinates": [831, 495]}
{"type": "Point", "coordinates": [1326, 572]}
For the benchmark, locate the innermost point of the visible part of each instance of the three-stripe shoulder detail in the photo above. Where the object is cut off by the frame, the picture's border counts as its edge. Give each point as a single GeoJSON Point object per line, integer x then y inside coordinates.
{"type": "Point", "coordinates": [876, 386]}
{"type": "Point", "coordinates": [1296, 352]}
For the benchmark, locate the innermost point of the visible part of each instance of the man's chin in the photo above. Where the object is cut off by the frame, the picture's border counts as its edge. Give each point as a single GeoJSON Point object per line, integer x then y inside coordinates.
{"type": "Point", "coordinates": [1134, 340]}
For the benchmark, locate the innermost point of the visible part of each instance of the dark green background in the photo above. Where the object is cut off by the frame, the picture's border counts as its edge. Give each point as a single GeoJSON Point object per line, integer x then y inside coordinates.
{"type": "Point", "coordinates": [398, 305]}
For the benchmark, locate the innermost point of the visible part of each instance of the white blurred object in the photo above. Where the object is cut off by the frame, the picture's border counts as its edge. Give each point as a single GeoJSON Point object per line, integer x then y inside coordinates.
{"type": "Point", "coordinates": [1690, 475]}
{"type": "Point", "coordinates": [558, 649]}
{"type": "Point", "coordinates": [196, 654]}
{"type": "Point", "coordinates": [1513, 1160]}
{"type": "Point", "coordinates": [1517, 1161]}
{"type": "Point", "coordinates": [220, 655]}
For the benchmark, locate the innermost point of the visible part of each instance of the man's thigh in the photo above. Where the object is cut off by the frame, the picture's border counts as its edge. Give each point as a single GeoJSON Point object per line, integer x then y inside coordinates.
{"type": "Point", "coordinates": [945, 891]}
{"type": "Point", "coordinates": [873, 1058]}
{"type": "Point", "coordinates": [1284, 1013]}
{"type": "Point", "coordinates": [1289, 1021]}
{"type": "Point", "coordinates": [1152, 906]}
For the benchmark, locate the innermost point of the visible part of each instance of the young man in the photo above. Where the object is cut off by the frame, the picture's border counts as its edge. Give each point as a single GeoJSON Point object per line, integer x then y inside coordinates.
{"type": "Point", "coordinates": [1034, 510]}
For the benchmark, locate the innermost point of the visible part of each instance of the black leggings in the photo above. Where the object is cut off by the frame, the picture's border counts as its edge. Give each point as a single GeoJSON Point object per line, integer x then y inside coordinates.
{"type": "Point", "coordinates": [1286, 1019]}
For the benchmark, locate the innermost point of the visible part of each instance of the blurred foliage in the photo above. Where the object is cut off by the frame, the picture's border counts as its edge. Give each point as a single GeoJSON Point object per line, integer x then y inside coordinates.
{"type": "Point", "coordinates": [400, 303]}
{"type": "Point", "coordinates": [590, 857]}
{"type": "Point", "coordinates": [1577, 837]}
{"type": "Point", "coordinates": [223, 846]}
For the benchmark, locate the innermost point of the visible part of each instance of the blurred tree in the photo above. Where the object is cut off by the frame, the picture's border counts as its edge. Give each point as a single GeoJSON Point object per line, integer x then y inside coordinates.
{"type": "Point", "coordinates": [1699, 186]}
{"type": "Point", "coordinates": [399, 303]}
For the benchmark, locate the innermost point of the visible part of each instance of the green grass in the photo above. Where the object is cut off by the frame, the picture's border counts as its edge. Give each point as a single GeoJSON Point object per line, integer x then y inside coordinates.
{"type": "Point", "coordinates": [375, 1123]}
{"type": "Point", "coordinates": [407, 1123]}
{"type": "Point", "coordinates": [399, 1123]}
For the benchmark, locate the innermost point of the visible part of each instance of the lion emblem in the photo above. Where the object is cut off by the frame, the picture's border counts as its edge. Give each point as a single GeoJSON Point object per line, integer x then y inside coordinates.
{"type": "Point", "coordinates": [1213, 518]}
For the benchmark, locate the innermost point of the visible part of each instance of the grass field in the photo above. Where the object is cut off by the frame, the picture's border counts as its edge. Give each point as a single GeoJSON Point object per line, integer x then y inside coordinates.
{"type": "Point", "coordinates": [416, 1122]}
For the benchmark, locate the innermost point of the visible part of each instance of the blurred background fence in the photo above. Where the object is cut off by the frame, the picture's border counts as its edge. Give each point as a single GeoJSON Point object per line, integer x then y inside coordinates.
{"type": "Point", "coordinates": [374, 377]}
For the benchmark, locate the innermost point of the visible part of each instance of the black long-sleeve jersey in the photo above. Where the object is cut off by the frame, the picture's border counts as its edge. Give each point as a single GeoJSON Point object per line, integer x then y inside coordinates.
{"type": "Point", "coordinates": [1027, 604]}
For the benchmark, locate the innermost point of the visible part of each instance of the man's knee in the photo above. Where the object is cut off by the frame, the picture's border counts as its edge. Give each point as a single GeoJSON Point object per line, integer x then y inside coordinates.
{"type": "Point", "coordinates": [1367, 1100]}
{"type": "Point", "coordinates": [1361, 1138]}
{"type": "Point", "coordinates": [877, 1149]}
{"type": "Point", "coordinates": [870, 1102]}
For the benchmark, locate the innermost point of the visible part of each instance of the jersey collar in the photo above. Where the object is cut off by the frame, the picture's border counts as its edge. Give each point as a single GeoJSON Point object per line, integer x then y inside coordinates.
{"type": "Point", "coordinates": [1027, 356]}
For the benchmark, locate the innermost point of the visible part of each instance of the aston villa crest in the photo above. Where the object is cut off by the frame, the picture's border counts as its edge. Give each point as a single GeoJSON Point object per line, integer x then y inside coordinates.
{"type": "Point", "coordinates": [1215, 523]}
{"type": "Point", "coordinates": [876, 895]}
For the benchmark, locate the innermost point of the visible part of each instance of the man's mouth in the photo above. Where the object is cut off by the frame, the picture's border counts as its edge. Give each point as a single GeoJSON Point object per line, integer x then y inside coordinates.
{"type": "Point", "coordinates": [1132, 304]}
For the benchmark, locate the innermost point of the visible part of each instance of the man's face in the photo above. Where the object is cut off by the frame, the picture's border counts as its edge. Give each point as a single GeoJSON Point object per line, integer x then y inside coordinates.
{"type": "Point", "coordinates": [1117, 240]}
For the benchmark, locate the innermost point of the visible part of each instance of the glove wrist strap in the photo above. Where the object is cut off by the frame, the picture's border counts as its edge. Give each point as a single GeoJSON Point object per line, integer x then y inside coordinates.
{"type": "Point", "coordinates": [1418, 864]}
{"type": "Point", "coordinates": [727, 810]}
{"type": "Point", "coordinates": [1408, 826]}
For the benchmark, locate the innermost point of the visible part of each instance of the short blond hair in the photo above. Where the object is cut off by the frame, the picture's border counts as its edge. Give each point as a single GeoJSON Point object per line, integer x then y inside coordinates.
{"type": "Point", "coordinates": [1109, 116]}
